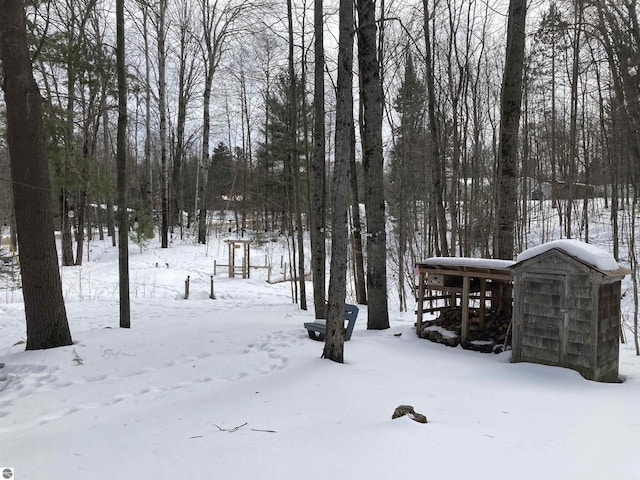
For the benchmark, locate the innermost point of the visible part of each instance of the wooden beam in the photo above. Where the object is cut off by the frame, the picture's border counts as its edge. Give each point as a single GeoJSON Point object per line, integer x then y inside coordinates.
{"type": "Point", "coordinates": [465, 309]}
{"type": "Point", "coordinates": [483, 296]}
{"type": "Point", "coordinates": [489, 274]}
{"type": "Point", "coordinates": [420, 301]}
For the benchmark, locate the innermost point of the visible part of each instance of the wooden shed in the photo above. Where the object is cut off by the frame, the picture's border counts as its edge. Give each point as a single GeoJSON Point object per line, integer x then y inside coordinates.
{"type": "Point", "coordinates": [567, 309]}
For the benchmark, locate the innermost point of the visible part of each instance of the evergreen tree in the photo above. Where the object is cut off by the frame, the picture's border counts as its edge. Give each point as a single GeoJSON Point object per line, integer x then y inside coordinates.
{"type": "Point", "coordinates": [222, 178]}
{"type": "Point", "coordinates": [274, 176]}
{"type": "Point", "coordinates": [407, 169]}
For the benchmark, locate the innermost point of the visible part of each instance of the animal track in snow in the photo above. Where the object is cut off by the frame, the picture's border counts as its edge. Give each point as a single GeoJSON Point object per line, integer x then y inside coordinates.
{"type": "Point", "coordinates": [273, 348]}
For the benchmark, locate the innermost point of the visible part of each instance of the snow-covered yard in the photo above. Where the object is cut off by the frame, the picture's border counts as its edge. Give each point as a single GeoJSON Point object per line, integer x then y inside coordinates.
{"type": "Point", "coordinates": [234, 388]}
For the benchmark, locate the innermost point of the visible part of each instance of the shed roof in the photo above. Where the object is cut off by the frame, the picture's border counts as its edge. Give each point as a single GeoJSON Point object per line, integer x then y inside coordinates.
{"type": "Point", "coordinates": [585, 253]}
{"type": "Point", "coordinates": [466, 266]}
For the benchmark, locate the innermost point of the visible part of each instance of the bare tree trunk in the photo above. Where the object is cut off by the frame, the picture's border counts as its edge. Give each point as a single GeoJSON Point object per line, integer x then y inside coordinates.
{"type": "Point", "coordinates": [510, 106]}
{"type": "Point", "coordinates": [318, 195]}
{"type": "Point", "coordinates": [111, 226]}
{"type": "Point", "coordinates": [334, 340]}
{"type": "Point", "coordinates": [215, 29]}
{"type": "Point", "coordinates": [67, 237]}
{"type": "Point", "coordinates": [373, 166]}
{"type": "Point", "coordinates": [45, 312]}
{"type": "Point", "coordinates": [13, 229]}
{"type": "Point", "coordinates": [185, 88]}
{"type": "Point", "coordinates": [81, 214]}
{"type": "Point", "coordinates": [99, 219]}
{"type": "Point", "coordinates": [106, 161]}
{"type": "Point", "coordinates": [434, 127]}
{"type": "Point", "coordinates": [358, 260]}
{"type": "Point", "coordinates": [164, 174]}
{"type": "Point", "coordinates": [573, 128]}
{"type": "Point", "coordinates": [554, 135]}
{"type": "Point", "coordinates": [178, 157]}
{"type": "Point", "coordinates": [66, 242]}
{"type": "Point", "coordinates": [203, 165]}
{"type": "Point", "coordinates": [247, 145]}
{"type": "Point", "coordinates": [295, 161]}
{"type": "Point", "coordinates": [123, 214]}
{"type": "Point", "coordinates": [145, 184]}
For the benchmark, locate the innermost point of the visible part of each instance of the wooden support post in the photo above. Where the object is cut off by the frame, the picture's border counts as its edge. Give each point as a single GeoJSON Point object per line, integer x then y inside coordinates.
{"type": "Point", "coordinates": [215, 266]}
{"type": "Point", "coordinates": [465, 310]}
{"type": "Point", "coordinates": [212, 295]}
{"type": "Point", "coordinates": [248, 262]}
{"type": "Point", "coordinates": [499, 300]}
{"type": "Point", "coordinates": [186, 288]}
{"type": "Point", "coordinates": [483, 296]}
{"type": "Point", "coordinates": [420, 302]}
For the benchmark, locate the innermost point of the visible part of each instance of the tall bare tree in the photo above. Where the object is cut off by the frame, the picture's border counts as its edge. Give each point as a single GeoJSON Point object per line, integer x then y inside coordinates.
{"type": "Point", "coordinates": [356, 233]}
{"type": "Point", "coordinates": [573, 122]}
{"type": "Point", "coordinates": [45, 311]}
{"type": "Point", "coordinates": [371, 95]}
{"type": "Point", "coordinates": [334, 340]}
{"type": "Point", "coordinates": [318, 197]}
{"type": "Point", "coordinates": [145, 182]}
{"type": "Point", "coordinates": [187, 80]}
{"type": "Point", "coordinates": [217, 21]}
{"type": "Point", "coordinates": [162, 108]}
{"type": "Point", "coordinates": [510, 106]}
{"type": "Point", "coordinates": [294, 159]}
{"type": "Point", "coordinates": [123, 211]}
{"type": "Point", "coordinates": [435, 130]}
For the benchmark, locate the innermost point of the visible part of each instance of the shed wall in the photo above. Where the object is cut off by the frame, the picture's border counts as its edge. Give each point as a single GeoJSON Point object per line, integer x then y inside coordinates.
{"type": "Point", "coordinates": [541, 305]}
{"type": "Point", "coordinates": [580, 328]}
{"type": "Point", "coordinates": [566, 314]}
{"type": "Point", "coordinates": [608, 351]}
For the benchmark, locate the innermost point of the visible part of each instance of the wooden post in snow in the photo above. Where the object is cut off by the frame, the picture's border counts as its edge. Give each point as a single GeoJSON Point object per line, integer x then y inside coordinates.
{"type": "Point", "coordinates": [186, 288]}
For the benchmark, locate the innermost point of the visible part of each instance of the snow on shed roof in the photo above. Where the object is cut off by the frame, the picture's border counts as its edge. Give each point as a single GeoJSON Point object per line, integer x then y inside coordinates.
{"type": "Point", "coordinates": [585, 252]}
{"type": "Point", "coordinates": [487, 263]}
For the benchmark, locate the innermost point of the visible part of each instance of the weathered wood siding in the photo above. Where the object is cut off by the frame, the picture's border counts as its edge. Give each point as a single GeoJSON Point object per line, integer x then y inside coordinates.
{"type": "Point", "coordinates": [542, 318]}
{"type": "Point", "coordinates": [566, 314]}
{"type": "Point", "coordinates": [608, 350]}
{"type": "Point", "coordinates": [580, 322]}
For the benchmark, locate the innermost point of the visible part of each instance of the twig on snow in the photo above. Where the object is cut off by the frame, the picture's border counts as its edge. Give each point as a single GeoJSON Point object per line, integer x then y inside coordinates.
{"type": "Point", "coordinates": [77, 358]}
{"type": "Point", "coordinates": [231, 429]}
{"type": "Point", "coordinates": [235, 429]}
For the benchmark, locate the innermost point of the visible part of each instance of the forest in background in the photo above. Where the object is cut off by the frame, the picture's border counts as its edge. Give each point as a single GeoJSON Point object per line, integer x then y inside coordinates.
{"type": "Point", "coordinates": [222, 118]}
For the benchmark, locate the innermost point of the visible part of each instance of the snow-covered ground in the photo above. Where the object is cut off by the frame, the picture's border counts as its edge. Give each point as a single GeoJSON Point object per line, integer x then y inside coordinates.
{"type": "Point", "coordinates": [233, 388]}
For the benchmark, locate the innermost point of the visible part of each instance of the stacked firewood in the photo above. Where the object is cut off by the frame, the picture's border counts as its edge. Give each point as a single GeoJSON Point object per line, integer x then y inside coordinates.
{"type": "Point", "coordinates": [447, 327]}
